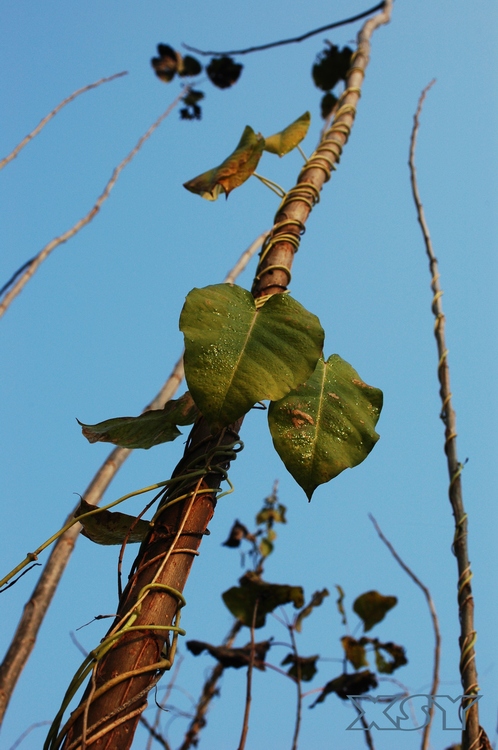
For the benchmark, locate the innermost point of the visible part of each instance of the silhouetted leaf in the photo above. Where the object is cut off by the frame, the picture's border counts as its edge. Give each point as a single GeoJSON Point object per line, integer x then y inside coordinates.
{"type": "Point", "coordinates": [372, 607]}
{"type": "Point", "coordinates": [150, 428]}
{"type": "Point", "coordinates": [331, 66]}
{"type": "Point", "coordinates": [233, 657]}
{"type": "Point", "coordinates": [326, 425]}
{"type": "Point", "coordinates": [355, 651]}
{"type": "Point", "coordinates": [238, 532]}
{"type": "Point", "coordinates": [387, 666]}
{"type": "Point", "coordinates": [307, 665]}
{"type": "Point", "coordinates": [316, 600]}
{"type": "Point", "coordinates": [340, 605]}
{"type": "Point", "coordinates": [242, 599]}
{"type": "Point", "coordinates": [327, 104]}
{"type": "Point", "coordinates": [190, 66]}
{"type": "Point", "coordinates": [356, 683]}
{"type": "Point", "coordinates": [192, 110]}
{"type": "Point", "coordinates": [223, 71]}
{"type": "Point", "coordinates": [237, 355]}
{"type": "Point", "coordinates": [166, 65]}
{"type": "Point", "coordinates": [106, 527]}
{"type": "Point", "coordinates": [231, 173]}
{"type": "Point", "coordinates": [284, 141]}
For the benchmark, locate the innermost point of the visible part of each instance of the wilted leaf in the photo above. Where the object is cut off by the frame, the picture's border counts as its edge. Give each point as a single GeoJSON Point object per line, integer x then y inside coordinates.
{"type": "Point", "coordinates": [166, 65]}
{"type": "Point", "coordinates": [150, 428]}
{"type": "Point", "coordinates": [284, 141]}
{"type": "Point", "coordinates": [233, 657]}
{"type": "Point", "coordinates": [340, 605]}
{"type": "Point", "coordinates": [326, 425]}
{"type": "Point", "coordinates": [106, 527]}
{"type": "Point", "coordinates": [238, 532]}
{"type": "Point", "coordinates": [397, 654]}
{"type": "Point", "coordinates": [242, 599]}
{"type": "Point", "coordinates": [223, 72]}
{"type": "Point", "coordinates": [355, 650]}
{"type": "Point", "coordinates": [331, 66]}
{"type": "Point", "coordinates": [192, 110]}
{"type": "Point", "coordinates": [237, 355]}
{"type": "Point", "coordinates": [372, 607]}
{"type": "Point", "coordinates": [316, 600]}
{"type": "Point", "coordinates": [307, 666]}
{"type": "Point", "coordinates": [348, 684]}
{"type": "Point", "coordinates": [327, 104]}
{"type": "Point", "coordinates": [231, 173]}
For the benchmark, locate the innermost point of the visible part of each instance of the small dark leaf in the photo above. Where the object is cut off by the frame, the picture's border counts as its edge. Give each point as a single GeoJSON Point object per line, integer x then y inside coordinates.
{"type": "Point", "coordinates": [192, 110]}
{"type": "Point", "coordinates": [190, 66]}
{"type": "Point", "coordinates": [331, 66]}
{"type": "Point", "coordinates": [106, 527]}
{"type": "Point", "coordinates": [167, 64]}
{"type": "Point", "coordinates": [307, 665]}
{"type": "Point", "coordinates": [340, 605]}
{"type": "Point", "coordinates": [387, 666]}
{"type": "Point", "coordinates": [355, 651]}
{"type": "Point", "coordinates": [327, 104]}
{"type": "Point", "coordinates": [223, 72]}
{"type": "Point", "coordinates": [372, 607]}
{"type": "Point", "coordinates": [242, 599]}
{"type": "Point", "coordinates": [316, 600]}
{"type": "Point", "coordinates": [348, 684]}
{"type": "Point", "coordinates": [233, 657]}
{"type": "Point", "coordinates": [238, 532]}
{"type": "Point", "coordinates": [150, 428]}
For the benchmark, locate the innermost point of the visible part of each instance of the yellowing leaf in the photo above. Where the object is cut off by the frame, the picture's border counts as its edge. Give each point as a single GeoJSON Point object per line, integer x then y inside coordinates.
{"type": "Point", "coordinates": [235, 170]}
{"type": "Point", "coordinates": [284, 141]}
{"type": "Point", "coordinates": [372, 607]}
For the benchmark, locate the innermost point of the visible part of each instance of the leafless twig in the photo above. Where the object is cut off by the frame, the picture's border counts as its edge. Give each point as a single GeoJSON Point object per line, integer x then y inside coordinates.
{"type": "Point", "coordinates": [21, 279]}
{"type": "Point", "coordinates": [47, 118]}
{"type": "Point", "coordinates": [468, 635]}
{"type": "Point", "coordinates": [295, 39]}
{"type": "Point", "coordinates": [250, 668]}
{"type": "Point", "coordinates": [435, 625]}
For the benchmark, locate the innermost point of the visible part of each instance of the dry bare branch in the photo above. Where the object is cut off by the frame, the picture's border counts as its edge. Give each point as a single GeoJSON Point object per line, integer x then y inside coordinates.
{"type": "Point", "coordinates": [36, 607]}
{"type": "Point", "coordinates": [468, 635]}
{"type": "Point", "coordinates": [21, 279]}
{"type": "Point", "coordinates": [47, 118]}
{"type": "Point", "coordinates": [435, 626]}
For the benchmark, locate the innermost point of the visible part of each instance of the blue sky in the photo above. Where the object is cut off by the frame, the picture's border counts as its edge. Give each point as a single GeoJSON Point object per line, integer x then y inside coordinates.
{"type": "Point", "coordinates": [95, 333]}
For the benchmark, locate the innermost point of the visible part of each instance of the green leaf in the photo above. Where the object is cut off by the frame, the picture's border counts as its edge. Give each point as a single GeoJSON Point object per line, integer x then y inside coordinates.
{"type": "Point", "coordinates": [271, 515]}
{"type": "Point", "coordinates": [236, 169]}
{"type": "Point", "coordinates": [307, 666]}
{"type": "Point", "coordinates": [326, 425]}
{"type": "Point", "coordinates": [242, 599]}
{"type": "Point", "coordinates": [316, 600]}
{"type": "Point", "coordinates": [284, 141]}
{"type": "Point", "coordinates": [237, 355]}
{"type": "Point", "coordinates": [150, 428]}
{"type": "Point", "coordinates": [266, 547]}
{"type": "Point", "coordinates": [355, 650]}
{"type": "Point", "coordinates": [106, 527]}
{"type": "Point", "coordinates": [372, 607]}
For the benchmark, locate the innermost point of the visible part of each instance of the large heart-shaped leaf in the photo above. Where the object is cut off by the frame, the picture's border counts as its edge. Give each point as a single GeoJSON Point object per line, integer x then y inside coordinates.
{"type": "Point", "coordinates": [106, 527]}
{"type": "Point", "coordinates": [237, 355]}
{"type": "Point", "coordinates": [284, 141]}
{"type": "Point", "coordinates": [326, 425]}
{"type": "Point", "coordinates": [150, 428]}
{"type": "Point", "coordinates": [235, 170]}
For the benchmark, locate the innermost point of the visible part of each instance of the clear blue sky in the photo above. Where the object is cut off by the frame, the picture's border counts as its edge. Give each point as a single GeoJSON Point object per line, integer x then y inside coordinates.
{"type": "Point", "coordinates": [95, 333]}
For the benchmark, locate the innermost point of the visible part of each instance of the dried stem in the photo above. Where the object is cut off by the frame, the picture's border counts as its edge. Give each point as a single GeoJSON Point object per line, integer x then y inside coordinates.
{"type": "Point", "coordinates": [299, 707]}
{"type": "Point", "coordinates": [209, 691]}
{"type": "Point", "coordinates": [36, 607]}
{"type": "Point", "coordinates": [134, 654]}
{"type": "Point", "coordinates": [468, 636]}
{"type": "Point", "coordinates": [21, 279]}
{"type": "Point", "coordinates": [435, 625]}
{"type": "Point", "coordinates": [368, 734]}
{"type": "Point", "coordinates": [250, 669]}
{"type": "Point", "coordinates": [293, 40]}
{"type": "Point", "coordinates": [42, 123]}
